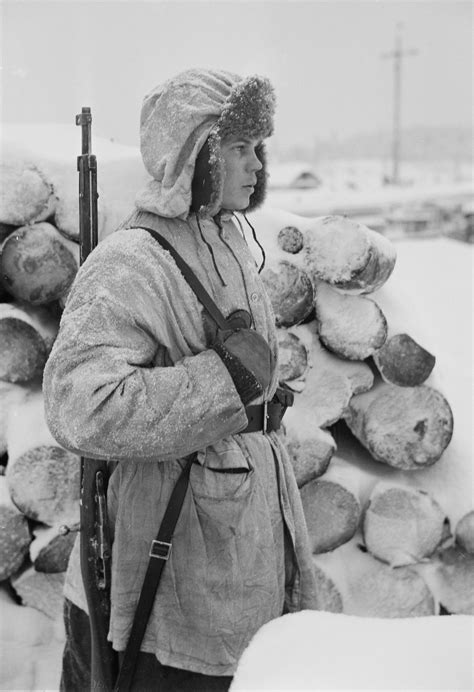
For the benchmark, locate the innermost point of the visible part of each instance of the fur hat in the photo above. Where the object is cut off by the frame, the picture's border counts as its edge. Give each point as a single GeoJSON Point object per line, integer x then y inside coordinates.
{"type": "Point", "coordinates": [183, 124]}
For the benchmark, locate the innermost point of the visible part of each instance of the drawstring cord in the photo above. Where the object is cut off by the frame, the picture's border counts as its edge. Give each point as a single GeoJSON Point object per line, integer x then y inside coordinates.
{"type": "Point", "coordinates": [257, 241]}
{"type": "Point", "coordinates": [209, 246]}
{"type": "Point", "coordinates": [219, 225]}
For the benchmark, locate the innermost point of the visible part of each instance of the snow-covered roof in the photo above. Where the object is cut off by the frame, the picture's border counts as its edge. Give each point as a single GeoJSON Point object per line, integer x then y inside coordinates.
{"type": "Point", "coordinates": [292, 174]}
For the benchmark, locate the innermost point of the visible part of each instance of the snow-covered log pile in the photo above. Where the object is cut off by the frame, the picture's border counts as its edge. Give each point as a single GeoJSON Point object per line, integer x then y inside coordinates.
{"type": "Point", "coordinates": [386, 488]}
{"type": "Point", "coordinates": [39, 236]}
{"type": "Point", "coordinates": [386, 494]}
{"type": "Point", "coordinates": [39, 217]}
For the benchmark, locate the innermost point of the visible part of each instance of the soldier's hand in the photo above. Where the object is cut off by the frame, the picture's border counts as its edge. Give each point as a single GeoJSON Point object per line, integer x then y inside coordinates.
{"type": "Point", "coordinates": [252, 351]}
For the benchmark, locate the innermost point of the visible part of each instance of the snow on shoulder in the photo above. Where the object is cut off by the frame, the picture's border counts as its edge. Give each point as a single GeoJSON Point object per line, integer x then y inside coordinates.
{"type": "Point", "coordinates": [313, 650]}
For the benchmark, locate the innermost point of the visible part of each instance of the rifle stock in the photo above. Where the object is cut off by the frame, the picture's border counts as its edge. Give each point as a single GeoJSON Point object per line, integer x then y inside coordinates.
{"type": "Point", "coordinates": [94, 537]}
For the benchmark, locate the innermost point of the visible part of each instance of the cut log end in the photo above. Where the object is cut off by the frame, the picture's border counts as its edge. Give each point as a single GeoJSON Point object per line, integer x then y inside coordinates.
{"type": "Point", "coordinates": [15, 535]}
{"type": "Point", "coordinates": [332, 514]}
{"type": "Point", "coordinates": [292, 356]}
{"type": "Point", "coordinates": [403, 526]}
{"type": "Point", "coordinates": [23, 350]}
{"type": "Point", "coordinates": [464, 533]}
{"type": "Point", "coordinates": [25, 194]}
{"type": "Point", "coordinates": [14, 541]}
{"type": "Point", "coordinates": [383, 592]}
{"type": "Point", "coordinates": [454, 579]}
{"type": "Point", "coordinates": [403, 362]}
{"type": "Point", "coordinates": [50, 550]}
{"type": "Point", "coordinates": [352, 327]}
{"type": "Point", "coordinates": [41, 591]}
{"type": "Point", "coordinates": [290, 239]}
{"type": "Point", "coordinates": [44, 485]}
{"type": "Point", "coordinates": [405, 427]}
{"type": "Point", "coordinates": [37, 265]}
{"type": "Point", "coordinates": [310, 455]}
{"type": "Point", "coordinates": [290, 291]}
{"type": "Point", "coordinates": [347, 254]}
{"type": "Point", "coordinates": [328, 595]}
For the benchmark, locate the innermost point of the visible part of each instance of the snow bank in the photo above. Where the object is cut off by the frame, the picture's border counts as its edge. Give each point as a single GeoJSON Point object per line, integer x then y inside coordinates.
{"type": "Point", "coordinates": [31, 647]}
{"type": "Point", "coordinates": [330, 651]}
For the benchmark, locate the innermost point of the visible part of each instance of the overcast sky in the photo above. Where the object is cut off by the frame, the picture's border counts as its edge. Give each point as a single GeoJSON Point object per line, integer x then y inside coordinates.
{"type": "Point", "coordinates": [324, 58]}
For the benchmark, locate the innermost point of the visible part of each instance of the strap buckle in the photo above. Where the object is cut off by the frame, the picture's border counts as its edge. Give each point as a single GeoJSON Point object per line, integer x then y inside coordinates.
{"type": "Point", "coordinates": [265, 417]}
{"type": "Point", "coordinates": [160, 549]}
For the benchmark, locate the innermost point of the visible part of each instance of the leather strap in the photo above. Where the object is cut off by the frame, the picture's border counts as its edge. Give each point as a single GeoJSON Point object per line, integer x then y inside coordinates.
{"type": "Point", "coordinates": [264, 417]}
{"type": "Point", "coordinates": [268, 416]}
{"type": "Point", "coordinates": [159, 553]}
{"type": "Point", "coordinates": [201, 293]}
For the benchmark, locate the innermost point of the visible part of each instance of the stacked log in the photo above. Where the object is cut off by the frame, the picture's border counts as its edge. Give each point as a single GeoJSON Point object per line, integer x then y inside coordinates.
{"type": "Point", "coordinates": [38, 264]}
{"type": "Point", "coordinates": [43, 478]}
{"type": "Point", "coordinates": [27, 334]}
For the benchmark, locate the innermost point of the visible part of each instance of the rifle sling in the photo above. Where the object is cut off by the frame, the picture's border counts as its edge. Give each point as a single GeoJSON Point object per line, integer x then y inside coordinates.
{"type": "Point", "coordinates": [159, 553]}
{"type": "Point", "coordinates": [201, 293]}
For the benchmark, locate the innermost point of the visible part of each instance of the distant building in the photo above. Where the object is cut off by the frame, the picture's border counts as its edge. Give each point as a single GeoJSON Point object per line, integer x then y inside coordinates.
{"type": "Point", "coordinates": [292, 175]}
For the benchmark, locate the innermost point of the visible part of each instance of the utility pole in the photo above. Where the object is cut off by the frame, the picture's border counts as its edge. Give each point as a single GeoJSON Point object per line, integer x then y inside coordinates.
{"type": "Point", "coordinates": [397, 55]}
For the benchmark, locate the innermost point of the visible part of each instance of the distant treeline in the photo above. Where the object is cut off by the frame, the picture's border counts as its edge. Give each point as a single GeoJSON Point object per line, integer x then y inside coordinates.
{"type": "Point", "coordinates": [417, 144]}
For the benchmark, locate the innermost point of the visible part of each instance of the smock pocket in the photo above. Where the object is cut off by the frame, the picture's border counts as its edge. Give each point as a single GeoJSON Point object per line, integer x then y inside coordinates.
{"type": "Point", "coordinates": [223, 471]}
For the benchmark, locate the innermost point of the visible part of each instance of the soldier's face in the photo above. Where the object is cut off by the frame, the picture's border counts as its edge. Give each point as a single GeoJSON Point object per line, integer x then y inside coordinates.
{"type": "Point", "coordinates": [241, 166]}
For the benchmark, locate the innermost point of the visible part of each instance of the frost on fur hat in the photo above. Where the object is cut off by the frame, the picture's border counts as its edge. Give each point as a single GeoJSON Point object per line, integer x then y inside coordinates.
{"type": "Point", "coordinates": [180, 116]}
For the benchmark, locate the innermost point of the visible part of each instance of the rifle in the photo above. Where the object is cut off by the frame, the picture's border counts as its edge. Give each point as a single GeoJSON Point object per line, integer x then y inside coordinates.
{"type": "Point", "coordinates": [95, 538]}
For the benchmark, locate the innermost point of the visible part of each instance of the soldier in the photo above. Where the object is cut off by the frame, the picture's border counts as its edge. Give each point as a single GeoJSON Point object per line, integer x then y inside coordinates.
{"type": "Point", "coordinates": [140, 373]}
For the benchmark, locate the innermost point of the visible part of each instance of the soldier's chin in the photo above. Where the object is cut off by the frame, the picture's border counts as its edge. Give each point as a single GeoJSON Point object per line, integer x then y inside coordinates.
{"type": "Point", "coordinates": [245, 203]}
{"type": "Point", "coordinates": [238, 206]}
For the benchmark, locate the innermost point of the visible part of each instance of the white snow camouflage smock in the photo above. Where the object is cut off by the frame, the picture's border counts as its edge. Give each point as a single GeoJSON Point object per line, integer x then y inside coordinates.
{"type": "Point", "coordinates": [131, 378]}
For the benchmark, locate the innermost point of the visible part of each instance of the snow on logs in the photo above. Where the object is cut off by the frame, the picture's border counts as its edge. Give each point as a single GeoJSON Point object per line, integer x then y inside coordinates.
{"type": "Point", "coordinates": [326, 387]}
{"type": "Point", "coordinates": [353, 327]}
{"type": "Point", "coordinates": [347, 254]}
{"type": "Point", "coordinates": [38, 177]}
{"type": "Point", "coordinates": [26, 195]}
